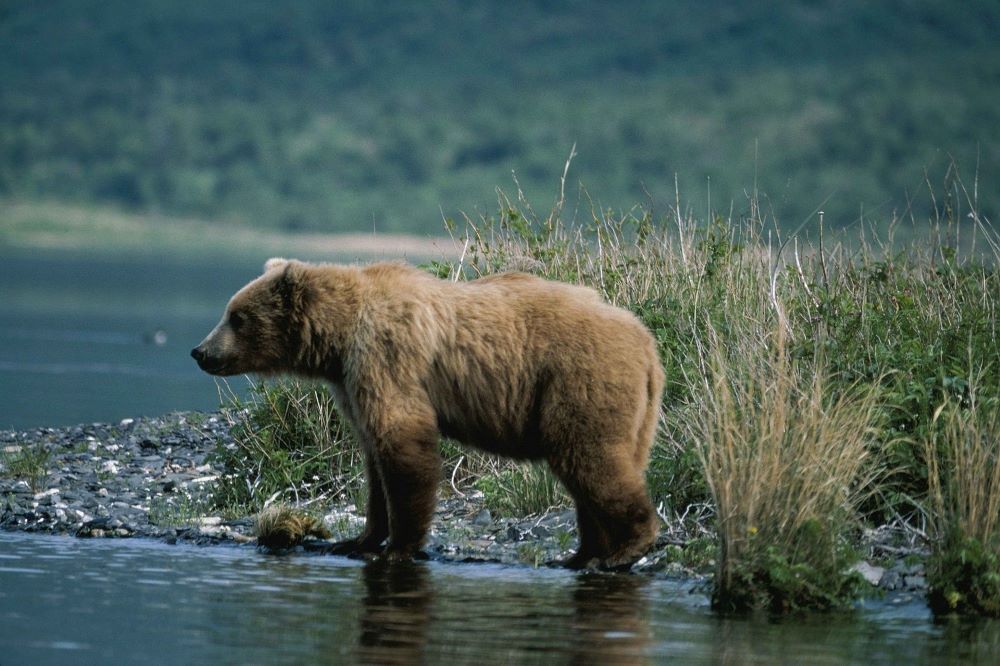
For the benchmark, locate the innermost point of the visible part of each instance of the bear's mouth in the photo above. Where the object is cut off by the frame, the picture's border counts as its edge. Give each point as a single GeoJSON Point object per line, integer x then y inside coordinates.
{"type": "Point", "coordinates": [219, 371]}
{"type": "Point", "coordinates": [214, 367]}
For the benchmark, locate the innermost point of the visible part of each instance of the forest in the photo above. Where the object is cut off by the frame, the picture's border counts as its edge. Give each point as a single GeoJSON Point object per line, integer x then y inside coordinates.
{"type": "Point", "coordinates": [394, 116]}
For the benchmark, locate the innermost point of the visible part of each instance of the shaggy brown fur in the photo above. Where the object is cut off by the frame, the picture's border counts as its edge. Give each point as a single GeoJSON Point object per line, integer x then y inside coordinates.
{"type": "Point", "coordinates": [511, 364]}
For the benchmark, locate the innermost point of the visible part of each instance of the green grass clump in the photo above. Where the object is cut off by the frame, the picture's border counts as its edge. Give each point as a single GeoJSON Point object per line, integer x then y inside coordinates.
{"type": "Point", "coordinates": [29, 463]}
{"type": "Point", "coordinates": [964, 467]}
{"type": "Point", "coordinates": [521, 490]}
{"type": "Point", "coordinates": [289, 444]}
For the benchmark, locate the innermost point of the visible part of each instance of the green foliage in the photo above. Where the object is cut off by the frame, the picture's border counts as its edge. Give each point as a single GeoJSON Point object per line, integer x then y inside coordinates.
{"type": "Point", "coordinates": [341, 116]}
{"type": "Point", "coordinates": [289, 444]}
{"type": "Point", "coordinates": [698, 554]}
{"type": "Point", "coordinates": [521, 490]}
{"type": "Point", "coordinates": [964, 577]}
{"type": "Point", "coordinates": [30, 464]}
{"type": "Point", "coordinates": [782, 582]}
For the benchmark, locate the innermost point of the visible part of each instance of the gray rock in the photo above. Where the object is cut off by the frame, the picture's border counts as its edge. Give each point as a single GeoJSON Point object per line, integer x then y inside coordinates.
{"type": "Point", "coordinates": [540, 532]}
{"type": "Point", "coordinates": [869, 572]}
{"type": "Point", "coordinates": [483, 518]}
{"type": "Point", "coordinates": [891, 580]}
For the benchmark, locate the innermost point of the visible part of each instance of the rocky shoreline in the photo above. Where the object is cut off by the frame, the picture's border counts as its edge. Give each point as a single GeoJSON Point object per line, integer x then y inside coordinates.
{"type": "Point", "coordinates": [153, 478]}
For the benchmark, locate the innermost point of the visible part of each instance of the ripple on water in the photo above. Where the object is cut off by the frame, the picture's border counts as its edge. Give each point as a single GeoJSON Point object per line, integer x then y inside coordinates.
{"type": "Point", "coordinates": [232, 604]}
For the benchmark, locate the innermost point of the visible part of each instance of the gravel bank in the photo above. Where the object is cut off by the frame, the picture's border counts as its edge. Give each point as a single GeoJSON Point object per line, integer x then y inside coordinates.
{"type": "Point", "coordinates": [153, 477]}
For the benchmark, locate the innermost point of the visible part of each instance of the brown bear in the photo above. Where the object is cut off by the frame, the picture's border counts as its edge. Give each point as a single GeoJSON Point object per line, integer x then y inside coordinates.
{"type": "Point", "coordinates": [511, 364]}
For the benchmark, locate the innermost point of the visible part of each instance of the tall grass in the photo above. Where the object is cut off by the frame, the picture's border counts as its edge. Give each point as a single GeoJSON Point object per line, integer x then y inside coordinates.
{"type": "Point", "coordinates": [798, 368]}
{"type": "Point", "coordinates": [788, 462]}
{"type": "Point", "coordinates": [963, 461]}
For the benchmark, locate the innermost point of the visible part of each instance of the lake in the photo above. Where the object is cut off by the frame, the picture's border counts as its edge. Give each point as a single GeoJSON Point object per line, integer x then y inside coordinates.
{"type": "Point", "coordinates": [86, 338]}
{"type": "Point", "coordinates": [67, 600]}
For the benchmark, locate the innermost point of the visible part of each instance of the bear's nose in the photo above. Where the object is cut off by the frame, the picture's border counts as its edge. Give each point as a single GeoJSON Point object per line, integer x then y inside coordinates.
{"type": "Point", "coordinates": [197, 354]}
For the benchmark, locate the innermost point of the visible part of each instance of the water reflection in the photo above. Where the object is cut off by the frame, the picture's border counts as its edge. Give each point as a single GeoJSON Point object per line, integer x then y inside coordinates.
{"type": "Point", "coordinates": [396, 615]}
{"type": "Point", "coordinates": [73, 601]}
{"type": "Point", "coordinates": [974, 640]}
{"type": "Point", "coordinates": [610, 619]}
{"type": "Point", "coordinates": [404, 619]}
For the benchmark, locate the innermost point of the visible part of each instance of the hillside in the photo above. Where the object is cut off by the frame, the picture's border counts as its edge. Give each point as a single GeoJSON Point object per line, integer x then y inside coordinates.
{"type": "Point", "coordinates": [352, 116]}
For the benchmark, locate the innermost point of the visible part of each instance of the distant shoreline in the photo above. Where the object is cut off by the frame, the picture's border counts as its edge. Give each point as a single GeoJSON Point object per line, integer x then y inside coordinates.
{"type": "Point", "coordinates": [55, 226]}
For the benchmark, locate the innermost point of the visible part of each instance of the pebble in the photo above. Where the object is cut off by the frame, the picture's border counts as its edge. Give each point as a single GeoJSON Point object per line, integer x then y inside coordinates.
{"type": "Point", "coordinates": [108, 490]}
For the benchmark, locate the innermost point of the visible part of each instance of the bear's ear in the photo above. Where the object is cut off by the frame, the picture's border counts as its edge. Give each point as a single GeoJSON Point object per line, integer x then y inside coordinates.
{"type": "Point", "coordinates": [290, 286]}
{"type": "Point", "coordinates": [274, 263]}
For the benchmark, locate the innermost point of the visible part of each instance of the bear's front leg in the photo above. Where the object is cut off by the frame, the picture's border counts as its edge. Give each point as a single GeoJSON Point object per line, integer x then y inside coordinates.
{"type": "Point", "coordinates": [410, 467]}
{"type": "Point", "coordinates": [376, 517]}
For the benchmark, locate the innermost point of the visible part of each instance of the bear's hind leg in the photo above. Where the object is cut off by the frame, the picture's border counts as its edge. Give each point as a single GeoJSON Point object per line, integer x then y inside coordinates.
{"type": "Point", "coordinates": [620, 518]}
{"type": "Point", "coordinates": [591, 539]}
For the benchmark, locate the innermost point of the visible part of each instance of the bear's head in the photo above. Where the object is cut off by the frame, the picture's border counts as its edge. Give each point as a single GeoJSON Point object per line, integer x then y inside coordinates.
{"type": "Point", "coordinates": [260, 330]}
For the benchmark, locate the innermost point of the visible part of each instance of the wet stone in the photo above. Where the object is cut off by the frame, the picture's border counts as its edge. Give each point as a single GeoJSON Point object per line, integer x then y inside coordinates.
{"type": "Point", "coordinates": [107, 479]}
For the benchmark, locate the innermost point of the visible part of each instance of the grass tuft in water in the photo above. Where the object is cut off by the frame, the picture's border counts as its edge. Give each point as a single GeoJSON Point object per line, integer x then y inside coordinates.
{"type": "Point", "coordinates": [788, 461]}
{"type": "Point", "coordinates": [964, 472]}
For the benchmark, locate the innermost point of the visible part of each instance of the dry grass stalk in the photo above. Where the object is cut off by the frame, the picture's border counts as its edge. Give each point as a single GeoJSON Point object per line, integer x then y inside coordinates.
{"type": "Point", "coordinates": [787, 463]}
{"type": "Point", "coordinates": [280, 526]}
{"type": "Point", "coordinates": [963, 466]}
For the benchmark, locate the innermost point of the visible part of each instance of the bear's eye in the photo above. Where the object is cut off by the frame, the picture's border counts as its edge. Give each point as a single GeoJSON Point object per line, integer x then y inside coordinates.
{"type": "Point", "coordinates": [236, 320]}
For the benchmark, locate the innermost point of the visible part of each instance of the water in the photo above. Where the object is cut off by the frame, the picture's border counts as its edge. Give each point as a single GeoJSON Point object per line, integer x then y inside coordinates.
{"type": "Point", "coordinates": [78, 333]}
{"type": "Point", "coordinates": [66, 600]}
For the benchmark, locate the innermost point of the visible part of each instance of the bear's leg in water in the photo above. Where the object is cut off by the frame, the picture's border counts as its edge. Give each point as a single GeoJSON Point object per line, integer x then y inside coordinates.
{"type": "Point", "coordinates": [376, 519]}
{"type": "Point", "coordinates": [615, 518]}
{"type": "Point", "coordinates": [410, 466]}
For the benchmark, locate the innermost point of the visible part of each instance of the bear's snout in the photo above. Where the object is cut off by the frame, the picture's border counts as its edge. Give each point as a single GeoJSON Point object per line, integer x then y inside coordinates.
{"type": "Point", "coordinates": [205, 361]}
